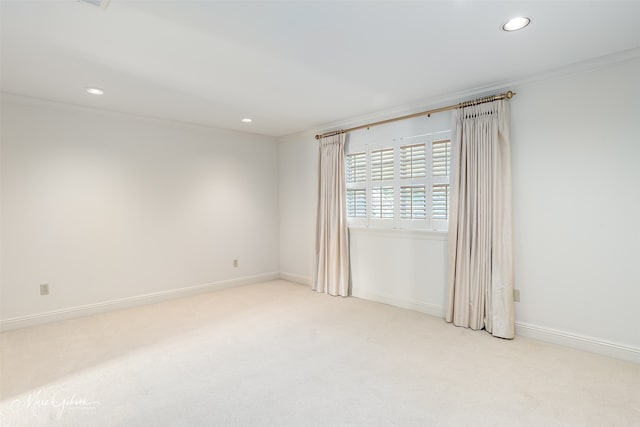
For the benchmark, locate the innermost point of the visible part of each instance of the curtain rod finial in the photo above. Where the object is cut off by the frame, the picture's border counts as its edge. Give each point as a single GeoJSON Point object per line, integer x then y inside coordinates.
{"type": "Point", "coordinates": [510, 94]}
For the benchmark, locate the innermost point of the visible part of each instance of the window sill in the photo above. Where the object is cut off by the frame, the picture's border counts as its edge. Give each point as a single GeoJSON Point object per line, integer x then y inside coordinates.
{"type": "Point", "coordinates": [400, 233]}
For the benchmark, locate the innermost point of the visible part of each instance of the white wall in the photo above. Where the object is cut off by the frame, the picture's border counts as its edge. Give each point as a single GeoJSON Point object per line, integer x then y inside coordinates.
{"type": "Point", "coordinates": [402, 268]}
{"type": "Point", "coordinates": [576, 260]}
{"type": "Point", "coordinates": [576, 179]}
{"type": "Point", "coordinates": [298, 168]}
{"type": "Point", "coordinates": [105, 206]}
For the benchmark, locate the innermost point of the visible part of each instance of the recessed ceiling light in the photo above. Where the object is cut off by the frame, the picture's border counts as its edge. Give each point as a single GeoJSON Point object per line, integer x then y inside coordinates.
{"type": "Point", "coordinates": [94, 91]}
{"type": "Point", "coordinates": [246, 120]}
{"type": "Point", "coordinates": [516, 24]}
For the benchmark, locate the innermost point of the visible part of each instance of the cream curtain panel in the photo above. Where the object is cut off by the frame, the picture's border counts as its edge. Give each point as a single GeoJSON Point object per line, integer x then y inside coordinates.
{"type": "Point", "coordinates": [331, 269]}
{"type": "Point", "coordinates": [480, 282]}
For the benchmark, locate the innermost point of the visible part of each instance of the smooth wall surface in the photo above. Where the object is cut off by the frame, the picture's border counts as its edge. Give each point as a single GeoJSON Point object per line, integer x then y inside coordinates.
{"type": "Point", "coordinates": [576, 179]}
{"type": "Point", "coordinates": [575, 151]}
{"type": "Point", "coordinates": [298, 177]}
{"type": "Point", "coordinates": [402, 268]}
{"type": "Point", "coordinates": [105, 206]}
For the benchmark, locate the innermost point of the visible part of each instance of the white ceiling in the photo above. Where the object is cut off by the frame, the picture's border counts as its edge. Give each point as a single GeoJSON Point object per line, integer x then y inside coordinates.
{"type": "Point", "coordinates": [292, 66]}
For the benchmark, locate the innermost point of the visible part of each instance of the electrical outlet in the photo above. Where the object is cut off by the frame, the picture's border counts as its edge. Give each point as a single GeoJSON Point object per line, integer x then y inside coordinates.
{"type": "Point", "coordinates": [516, 295]}
{"type": "Point", "coordinates": [235, 263]}
{"type": "Point", "coordinates": [44, 289]}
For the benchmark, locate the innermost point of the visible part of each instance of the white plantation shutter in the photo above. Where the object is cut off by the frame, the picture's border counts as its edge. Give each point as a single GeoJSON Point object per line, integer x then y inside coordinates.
{"type": "Point", "coordinates": [382, 173]}
{"type": "Point", "coordinates": [440, 202]}
{"type": "Point", "coordinates": [382, 164]}
{"type": "Point", "coordinates": [413, 173]}
{"type": "Point", "coordinates": [382, 202]}
{"type": "Point", "coordinates": [413, 163]}
{"type": "Point", "coordinates": [413, 202]}
{"type": "Point", "coordinates": [356, 178]}
{"type": "Point", "coordinates": [441, 157]}
{"type": "Point", "coordinates": [402, 183]}
{"type": "Point", "coordinates": [356, 203]}
{"type": "Point", "coordinates": [441, 167]}
{"type": "Point", "coordinates": [356, 164]}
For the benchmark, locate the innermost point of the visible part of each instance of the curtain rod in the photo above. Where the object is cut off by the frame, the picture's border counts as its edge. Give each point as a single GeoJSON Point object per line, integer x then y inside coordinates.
{"type": "Point", "coordinates": [506, 95]}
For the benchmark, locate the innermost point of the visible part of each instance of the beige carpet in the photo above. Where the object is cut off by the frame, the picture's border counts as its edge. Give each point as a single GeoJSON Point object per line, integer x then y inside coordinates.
{"type": "Point", "coordinates": [278, 354]}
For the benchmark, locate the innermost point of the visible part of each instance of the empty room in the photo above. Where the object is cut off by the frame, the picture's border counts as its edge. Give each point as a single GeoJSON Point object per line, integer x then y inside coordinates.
{"type": "Point", "coordinates": [319, 213]}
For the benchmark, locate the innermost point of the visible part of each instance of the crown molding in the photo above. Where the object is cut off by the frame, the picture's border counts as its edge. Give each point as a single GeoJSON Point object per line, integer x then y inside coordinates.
{"type": "Point", "coordinates": [450, 98]}
{"type": "Point", "coordinates": [21, 99]}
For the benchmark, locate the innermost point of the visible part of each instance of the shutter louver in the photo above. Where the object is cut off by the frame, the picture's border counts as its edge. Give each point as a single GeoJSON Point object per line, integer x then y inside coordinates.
{"type": "Point", "coordinates": [441, 155]}
{"type": "Point", "coordinates": [356, 203]}
{"type": "Point", "coordinates": [356, 167]}
{"type": "Point", "coordinates": [413, 203]}
{"type": "Point", "coordinates": [440, 208]}
{"type": "Point", "coordinates": [413, 161]}
{"type": "Point", "coordinates": [382, 202]}
{"type": "Point", "coordinates": [382, 164]}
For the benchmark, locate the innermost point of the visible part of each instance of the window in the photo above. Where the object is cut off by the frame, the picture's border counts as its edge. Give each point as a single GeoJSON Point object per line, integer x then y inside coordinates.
{"type": "Point", "coordinates": [382, 165]}
{"type": "Point", "coordinates": [441, 157]}
{"type": "Point", "coordinates": [356, 168]}
{"type": "Point", "coordinates": [441, 167]}
{"type": "Point", "coordinates": [413, 202]}
{"type": "Point", "coordinates": [356, 171]}
{"type": "Point", "coordinates": [382, 183]}
{"type": "Point", "coordinates": [413, 161]}
{"type": "Point", "coordinates": [400, 184]}
{"type": "Point", "coordinates": [440, 201]}
{"type": "Point", "coordinates": [413, 173]}
{"type": "Point", "coordinates": [382, 201]}
{"type": "Point", "coordinates": [356, 203]}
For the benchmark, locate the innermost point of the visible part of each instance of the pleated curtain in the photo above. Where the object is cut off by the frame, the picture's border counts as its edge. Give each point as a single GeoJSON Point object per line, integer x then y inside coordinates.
{"type": "Point", "coordinates": [480, 271]}
{"type": "Point", "coordinates": [331, 267]}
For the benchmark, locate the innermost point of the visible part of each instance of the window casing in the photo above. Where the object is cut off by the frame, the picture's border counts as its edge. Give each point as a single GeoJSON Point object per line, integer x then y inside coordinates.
{"type": "Point", "coordinates": [403, 183]}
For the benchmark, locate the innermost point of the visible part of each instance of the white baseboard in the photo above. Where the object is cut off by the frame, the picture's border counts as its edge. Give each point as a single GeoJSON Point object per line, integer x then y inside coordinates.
{"type": "Point", "coordinates": [295, 278]}
{"type": "Point", "coordinates": [101, 307]}
{"type": "Point", "coordinates": [423, 307]}
{"type": "Point", "coordinates": [579, 342]}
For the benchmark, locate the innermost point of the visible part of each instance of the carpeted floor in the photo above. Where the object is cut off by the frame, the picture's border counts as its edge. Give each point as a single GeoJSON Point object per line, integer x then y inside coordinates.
{"type": "Point", "coordinates": [276, 353]}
